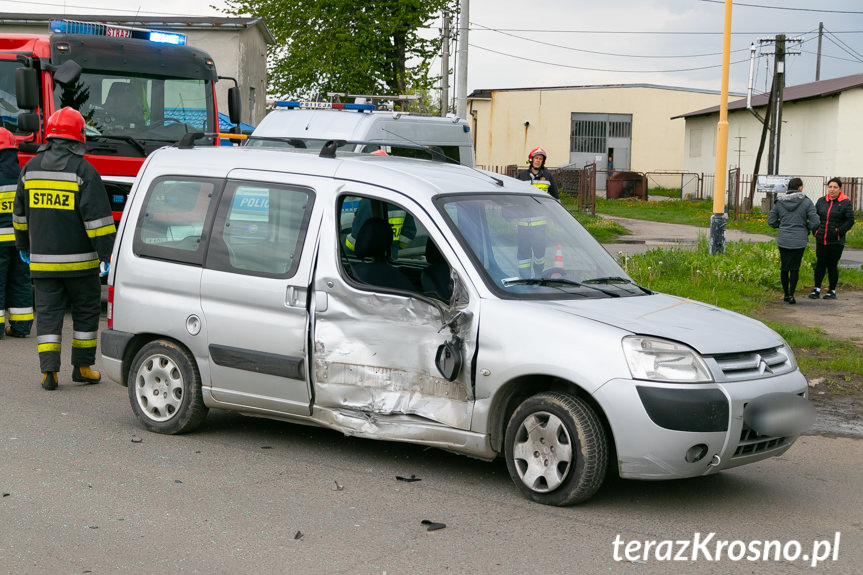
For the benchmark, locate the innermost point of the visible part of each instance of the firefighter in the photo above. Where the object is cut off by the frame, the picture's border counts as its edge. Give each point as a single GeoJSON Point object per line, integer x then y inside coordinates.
{"type": "Point", "coordinates": [403, 225]}
{"type": "Point", "coordinates": [531, 230]}
{"type": "Point", "coordinates": [64, 229]}
{"type": "Point", "coordinates": [16, 296]}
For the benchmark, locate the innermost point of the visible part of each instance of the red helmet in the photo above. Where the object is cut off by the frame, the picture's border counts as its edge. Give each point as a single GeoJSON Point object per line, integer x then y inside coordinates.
{"type": "Point", "coordinates": [7, 140]}
{"type": "Point", "coordinates": [537, 152]}
{"type": "Point", "coordinates": [66, 123]}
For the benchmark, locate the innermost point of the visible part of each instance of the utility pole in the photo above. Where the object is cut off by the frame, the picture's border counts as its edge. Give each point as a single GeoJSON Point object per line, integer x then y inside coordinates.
{"type": "Point", "coordinates": [719, 219]}
{"type": "Point", "coordinates": [461, 65]}
{"type": "Point", "coordinates": [776, 118]}
{"type": "Point", "coordinates": [739, 148]}
{"type": "Point", "coordinates": [818, 59]}
{"type": "Point", "coordinates": [444, 73]}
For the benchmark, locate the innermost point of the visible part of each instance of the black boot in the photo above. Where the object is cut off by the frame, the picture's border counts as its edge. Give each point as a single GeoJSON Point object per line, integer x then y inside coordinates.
{"type": "Point", "coordinates": [49, 380]}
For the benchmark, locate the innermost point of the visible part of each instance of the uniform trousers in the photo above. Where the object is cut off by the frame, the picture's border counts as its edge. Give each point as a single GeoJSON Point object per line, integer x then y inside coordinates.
{"type": "Point", "coordinates": [83, 294]}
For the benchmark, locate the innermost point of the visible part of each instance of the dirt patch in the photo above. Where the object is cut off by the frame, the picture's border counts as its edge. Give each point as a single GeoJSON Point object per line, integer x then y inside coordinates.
{"type": "Point", "coordinates": [837, 397]}
{"type": "Point", "coordinates": [838, 318]}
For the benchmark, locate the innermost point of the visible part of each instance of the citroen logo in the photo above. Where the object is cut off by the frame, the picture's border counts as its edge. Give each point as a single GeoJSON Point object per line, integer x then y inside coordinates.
{"type": "Point", "coordinates": [762, 365]}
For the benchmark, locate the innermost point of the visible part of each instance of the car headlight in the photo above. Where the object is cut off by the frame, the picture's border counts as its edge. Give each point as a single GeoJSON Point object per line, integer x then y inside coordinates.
{"type": "Point", "coordinates": [656, 359]}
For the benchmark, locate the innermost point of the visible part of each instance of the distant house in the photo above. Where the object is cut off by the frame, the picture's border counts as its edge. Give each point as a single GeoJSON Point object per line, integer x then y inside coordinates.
{"type": "Point", "coordinates": [822, 124]}
{"type": "Point", "coordinates": [617, 126]}
{"type": "Point", "coordinates": [238, 46]}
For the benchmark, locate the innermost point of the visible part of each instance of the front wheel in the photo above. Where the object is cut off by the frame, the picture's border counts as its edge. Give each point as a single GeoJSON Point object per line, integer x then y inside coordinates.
{"type": "Point", "coordinates": [556, 449]}
{"type": "Point", "coordinates": [165, 388]}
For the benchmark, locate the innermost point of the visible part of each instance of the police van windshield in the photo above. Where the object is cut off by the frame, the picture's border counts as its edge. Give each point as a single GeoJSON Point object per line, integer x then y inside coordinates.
{"type": "Point", "coordinates": [140, 110]}
{"type": "Point", "coordinates": [531, 247]}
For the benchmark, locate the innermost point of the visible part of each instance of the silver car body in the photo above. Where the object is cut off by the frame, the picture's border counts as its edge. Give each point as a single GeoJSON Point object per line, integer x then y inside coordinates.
{"type": "Point", "coordinates": [317, 347]}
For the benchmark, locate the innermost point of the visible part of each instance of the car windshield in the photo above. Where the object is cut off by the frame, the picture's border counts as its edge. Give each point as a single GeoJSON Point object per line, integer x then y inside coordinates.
{"type": "Point", "coordinates": [529, 246]}
{"type": "Point", "coordinates": [138, 109]}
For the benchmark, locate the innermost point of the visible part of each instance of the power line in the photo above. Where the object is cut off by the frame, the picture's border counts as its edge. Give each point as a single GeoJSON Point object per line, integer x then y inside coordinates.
{"type": "Point", "coordinates": [786, 8]}
{"type": "Point", "coordinates": [597, 52]}
{"type": "Point", "coordinates": [600, 69]}
{"type": "Point", "coordinates": [643, 32]}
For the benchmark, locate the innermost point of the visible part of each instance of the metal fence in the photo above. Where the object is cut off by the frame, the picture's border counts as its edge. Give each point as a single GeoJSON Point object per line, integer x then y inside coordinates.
{"type": "Point", "coordinates": [742, 197]}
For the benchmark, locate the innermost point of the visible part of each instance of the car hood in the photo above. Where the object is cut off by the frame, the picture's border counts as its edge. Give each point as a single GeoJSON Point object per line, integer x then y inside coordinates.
{"type": "Point", "coordinates": [706, 328]}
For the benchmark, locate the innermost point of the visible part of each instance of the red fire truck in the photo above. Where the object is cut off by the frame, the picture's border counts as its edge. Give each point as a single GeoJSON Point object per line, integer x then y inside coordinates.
{"type": "Point", "coordinates": [137, 89]}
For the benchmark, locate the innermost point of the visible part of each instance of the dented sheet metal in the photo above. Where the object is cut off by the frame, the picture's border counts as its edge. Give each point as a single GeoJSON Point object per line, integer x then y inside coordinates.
{"type": "Point", "coordinates": [376, 354]}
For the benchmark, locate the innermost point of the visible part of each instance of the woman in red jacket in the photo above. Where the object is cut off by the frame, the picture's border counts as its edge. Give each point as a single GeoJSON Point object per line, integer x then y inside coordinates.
{"type": "Point", "coordinates": [837, 217]}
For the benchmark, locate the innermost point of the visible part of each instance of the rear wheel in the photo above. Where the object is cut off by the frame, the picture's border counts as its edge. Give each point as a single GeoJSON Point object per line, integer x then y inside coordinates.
{"type": "Point", "coordinates": [556, 449]}
{"type": "Point", "coordinates": [165, 388]}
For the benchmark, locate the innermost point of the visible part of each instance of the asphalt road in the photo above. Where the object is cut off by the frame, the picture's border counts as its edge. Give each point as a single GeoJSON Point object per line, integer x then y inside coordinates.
{"type": "Point", "coordinates": [87, 490]}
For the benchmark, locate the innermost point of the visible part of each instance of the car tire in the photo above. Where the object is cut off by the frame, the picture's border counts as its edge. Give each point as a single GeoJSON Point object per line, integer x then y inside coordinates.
{"type": "Point", "coordinates": [165, 388]}
{"type": "Point", "coordinates": [556, 449]}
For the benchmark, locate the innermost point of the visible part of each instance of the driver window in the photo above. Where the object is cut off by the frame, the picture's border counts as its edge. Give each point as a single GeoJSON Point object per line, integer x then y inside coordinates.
{"type": "Point", "coordinates": [384, 245]}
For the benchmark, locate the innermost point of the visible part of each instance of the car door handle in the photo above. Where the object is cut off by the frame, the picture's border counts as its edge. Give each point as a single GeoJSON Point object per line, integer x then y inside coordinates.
{"type": "Point", "coordinates": [293, 297]}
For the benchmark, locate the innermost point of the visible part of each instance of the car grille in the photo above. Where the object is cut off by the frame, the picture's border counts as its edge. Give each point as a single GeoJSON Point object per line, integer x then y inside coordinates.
{"type": "Point", "coordinates": [752, 443]}
{"type": "Point", "coordinates": [753, 365]}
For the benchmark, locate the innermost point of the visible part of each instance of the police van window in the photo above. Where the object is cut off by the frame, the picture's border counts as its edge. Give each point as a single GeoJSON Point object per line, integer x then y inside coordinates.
{"type": "Point", "coordinates": [259, 229]}
{"type": "Point", "coordinates": [403, 262]}
{"type": "Point", "coordinates": [174, 218]}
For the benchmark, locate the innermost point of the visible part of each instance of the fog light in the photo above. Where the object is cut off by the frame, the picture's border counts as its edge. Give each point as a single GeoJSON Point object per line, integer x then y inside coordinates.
{"type": "Point", "coordinates": [696, 453]}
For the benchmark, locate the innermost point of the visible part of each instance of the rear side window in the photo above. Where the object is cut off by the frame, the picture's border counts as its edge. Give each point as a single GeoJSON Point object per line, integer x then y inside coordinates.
{"type": "Point", "coordinates": [173, 222]}
{"type": "Point", "coordinates": [260, 228]}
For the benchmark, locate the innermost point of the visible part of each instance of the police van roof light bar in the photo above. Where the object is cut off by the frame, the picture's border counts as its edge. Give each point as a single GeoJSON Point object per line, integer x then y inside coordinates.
{"type": "Point", "coordinates": [97, 29]}
{"type": "Point", "coordinates": [324, 105]}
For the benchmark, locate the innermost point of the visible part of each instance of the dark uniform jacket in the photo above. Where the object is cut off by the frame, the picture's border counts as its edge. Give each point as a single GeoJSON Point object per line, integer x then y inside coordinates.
{"type": "Point", "coordinates": [62, 216]}
{"type": "Point", "coordinates": [9, 171]}
{"type": "Point", "coordinates": [542, 180]}
{"type": "Point", "coordinates": [837, 217]}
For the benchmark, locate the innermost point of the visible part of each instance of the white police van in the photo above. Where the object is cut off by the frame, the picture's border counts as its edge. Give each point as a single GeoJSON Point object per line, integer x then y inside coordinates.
{"type": "Point", "coordinates": [232, 287]}
{"type": "Point", "coordinates": [365, 128]}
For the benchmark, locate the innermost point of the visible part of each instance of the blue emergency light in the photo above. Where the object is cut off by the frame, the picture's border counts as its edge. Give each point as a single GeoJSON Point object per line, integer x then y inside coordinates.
{"type": "Point", "coordinates": [325, 106]}
{"type": "Point", "coordinates": [96, 29]}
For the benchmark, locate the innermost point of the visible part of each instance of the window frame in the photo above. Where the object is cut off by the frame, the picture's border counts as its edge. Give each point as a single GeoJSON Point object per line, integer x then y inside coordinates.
{"type": "Point", "coordinates": [161, 252]}
{"type": "Point", "coordinates": [218, 254]}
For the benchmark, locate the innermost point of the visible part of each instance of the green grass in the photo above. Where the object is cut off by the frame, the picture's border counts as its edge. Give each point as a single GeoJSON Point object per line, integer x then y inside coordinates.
{"type": "Point", "coordinates": [744, 279]}
{"type": "Point", "coordinates": [698, 212]}
{"type": "Point", "coordinates": [602, 229]}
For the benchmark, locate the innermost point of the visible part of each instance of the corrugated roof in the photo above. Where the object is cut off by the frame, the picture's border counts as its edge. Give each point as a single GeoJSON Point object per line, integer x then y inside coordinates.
{"type": "Point", "coordinates": [820, 89]}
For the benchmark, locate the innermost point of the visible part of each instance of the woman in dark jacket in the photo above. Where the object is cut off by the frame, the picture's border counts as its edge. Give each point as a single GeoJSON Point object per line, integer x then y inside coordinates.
{"type": "Point", "coordinates": [837, 217]}
{"type": "Point", "coordinates": [794, 215]}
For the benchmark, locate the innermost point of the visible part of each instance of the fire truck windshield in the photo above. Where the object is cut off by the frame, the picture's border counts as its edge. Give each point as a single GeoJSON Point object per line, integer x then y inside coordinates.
{"type": "Point", "coordinates": [8, 108]}
{"type": "Point", "coordinates": [139, 111]}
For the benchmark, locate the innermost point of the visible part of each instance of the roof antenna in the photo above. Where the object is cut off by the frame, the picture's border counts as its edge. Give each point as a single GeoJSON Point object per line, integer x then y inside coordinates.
{"type": "Point", "coordinates": [329, 148]}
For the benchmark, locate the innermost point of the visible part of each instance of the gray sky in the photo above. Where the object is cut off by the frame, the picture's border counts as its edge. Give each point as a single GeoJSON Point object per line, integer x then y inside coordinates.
{"type": "Point", "coordinates": [515, 44]}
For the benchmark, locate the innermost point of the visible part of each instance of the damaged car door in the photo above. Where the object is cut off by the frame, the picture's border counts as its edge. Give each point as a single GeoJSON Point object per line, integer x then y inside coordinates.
{"type": "Point", "coordinates": [383, 319]}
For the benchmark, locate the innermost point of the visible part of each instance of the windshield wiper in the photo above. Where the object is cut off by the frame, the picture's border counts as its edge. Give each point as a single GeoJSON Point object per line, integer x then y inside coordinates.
{"type": "Point", "coordinates": [128, 139]}
{"type": "Point", "coordinates": [616, 280]}
{"type": "Point", "coordinates": [540, 282]}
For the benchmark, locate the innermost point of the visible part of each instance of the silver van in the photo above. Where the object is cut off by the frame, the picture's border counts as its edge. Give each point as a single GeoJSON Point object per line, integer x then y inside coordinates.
{"type": "Point", "coordinates": [295, 125]}
{"type": "Point", "coordinates": [289, 285]}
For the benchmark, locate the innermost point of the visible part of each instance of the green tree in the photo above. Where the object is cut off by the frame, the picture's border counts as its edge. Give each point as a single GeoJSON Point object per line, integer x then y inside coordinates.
{"type": "Point", "coordinates": [371, 47]}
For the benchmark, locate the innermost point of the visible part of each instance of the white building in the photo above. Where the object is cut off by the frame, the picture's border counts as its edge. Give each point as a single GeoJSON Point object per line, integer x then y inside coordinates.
{"type": "Point", "coordinates": [238, 46]}
{"type": "Point", "coordinates": [822, 124]}
{"type": "Point", "coordinates": [619, 127]}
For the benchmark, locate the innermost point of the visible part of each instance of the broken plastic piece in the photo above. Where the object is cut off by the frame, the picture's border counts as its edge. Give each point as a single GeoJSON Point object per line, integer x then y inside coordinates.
{"type": "Point", "coordinates": [410, 479]}
{"type": "Point", "coordinates": [432, 526]}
